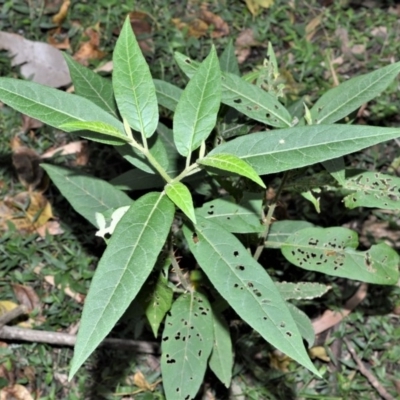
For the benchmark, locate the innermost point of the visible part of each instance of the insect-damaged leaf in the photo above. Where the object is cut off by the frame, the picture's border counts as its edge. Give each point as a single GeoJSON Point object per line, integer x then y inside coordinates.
{"type": "Point", "coordinates": [247, 287]}
{"type": "Point", "coordinates": [133, 85]}
{"type": "Point", "coordinates": [186, 345]}
{"type": "Point", "coordinates": [125, 265]}
{"type": "Point", "coordinates": [373, 189]}
{"type": "Point", "coordinates": [301, 290]}
{"type": "Point", "coordinates": [333, 251]}
{"type": "Point", "coordinates": [303, 323]}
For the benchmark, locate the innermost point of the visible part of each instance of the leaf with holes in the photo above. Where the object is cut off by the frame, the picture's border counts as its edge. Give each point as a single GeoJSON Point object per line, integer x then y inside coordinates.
{"type": "Point", "coordinates": [124, 267]}
{"type": "Point", "coordinates": [244, 217]}
{"type": "Point", "coordinates": [51, 106]}
{"type": "Point", "coordinates": [157, 302]}
{"type": "Point", "coordinates": [340, 101]}
{"type": "Point", "coordinates": [133, 85]}
{"type": "Point", "coordinates": [187, 342]}
{"type": "Point", "coordinates": [196, 113]}
{"type": "Point", "coordinates": [303, 323]}
{"type": "Point", "coordinates": [168, 95]}
{"type": "Point", "coordinates": [99, 132]}
{"type": "Point", "coordinates": [247, 287]}
{"type": "Point", "coordinates": [92, 86]}
{"type": "Point", "coordinates": [301, 290]}
{"type": "Point", "coordinates": [284, 149]}
{"type": "Point", "coordinates": [182, 198]}
{"type": "Point", "coordinates": [231, 163]}
{"type": "Point", "coordinates": [221, 360]}
{"type": "Point", "coordinates": [249, 99]}
{"type": "Point", "coordinates": [372, 189]}
{"type": "Point", "coordinates": [281, 230]}
{"type": "Point", "coordinates": [87, 194]}
{"type": "Point", "coordinates": [333, 251]}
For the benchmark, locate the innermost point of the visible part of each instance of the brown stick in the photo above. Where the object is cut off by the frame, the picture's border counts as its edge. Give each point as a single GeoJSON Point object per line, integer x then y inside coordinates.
{"type": "Point", "coordinates": [368, 374]}
{"type": "Point", "coordinates": [12, 314]}
{"type": "Point", "coordinates": [64, 339]}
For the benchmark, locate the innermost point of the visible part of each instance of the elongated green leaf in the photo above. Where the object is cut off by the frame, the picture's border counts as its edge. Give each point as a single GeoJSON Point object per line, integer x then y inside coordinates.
{"type": "Point", "coordinates": [171, 163]}
{"type": "Point", "coordinates": [284, 149]}
{"type": "Point", "coordinates": [340, 101]}
{"type": "Point", "coordinates": [186, 345]}
{"type": "Point", "coordinates": [168, 95]}
{"type": "Point", "coordinates": [92, 86]}
{"type": "Point", "coordinates": [133, 85]}
{"type": "Point", "coordinates": [244, 217]}
{"type": "Point", "coordinates": [246, 286]}
{"type": "Point", "coordinates": [157, 302]}
{"type": "Point", "coordinates": [301, 290]}
{"type": "Point", "coordinates": [136, 179]}
{"type": "Point", "coordinates": [228, 61]}
{"type": "Point", "coordinates": [221, 360]}
{"type": "Point", "coordinates": [231, 163]}
{"type": "Point", "coordinates": [373, 189]}
{"type": "Point", "coordinates": [333, 251]}
{"type": "Point", "coordinates": [112, 135]}
{"type": "Point", "coordinates": [196, 113]}
{"type": "Point", "coordinates": [52, 106]}
{"type": "Point", "coordinates": [125, 265]}
{"type": "Point", "coordinates": [182, 198]}
{"type": "Point", "coordinates": [249, 99]}
{"type": "Point", "coordinates": [86, 194]}
{"type": "Point", "coordinates": [281, 230]}
{"type": "Point", "coordinates": [303, 323]}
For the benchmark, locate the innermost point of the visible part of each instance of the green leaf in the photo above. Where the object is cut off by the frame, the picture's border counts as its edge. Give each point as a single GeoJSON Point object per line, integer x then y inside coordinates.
{"type": "Point", "coordinates": [228, 61]}
{"type": "Point", "coordinates": [92, 86]}
{"type": "Point", "coordinates": [244, 217]}
{"type": "Point", "coordinates": [125, 265]}
{"type": "Point", "coordinates": [333, 251]}
{"type": "Point", "coordinates": [229, 162]}
{"type": "Point", "coordinates": [182, 198]}
{"type": "Point", "coordinates": [281, 230]}
{"type": "Point", "coordinates": [249, 99]}
{"type": "Point", "coordinates": [301, 290]}
{"type": "Point", "coordinates": [157, 302]}
{"type": "Point", "coordinates": [168, 95]}
{"type": "Point", "coordinates": [186, 345]}
{"type": "Point", "coordinates": [113, 135]}
{"type": "Point", "coordinates": [171, 161]}
{"type": "Point", "coordinates": [86, 194]}
{"type": "Point", "coordinates": [247, 287]}
{"type": "Point", "coordinates": [340, 101]}
{"type": "Point", "coordinates": [133, 85]}
{"type": "Point", "coordinates": [284, 149]}
{"type": "Point", "coordinates": [196, 113]}
{"type": "Point", "coordinates": [52, 106]}
{"type": "Point", "coordinates": [372, 189]}
{"type": "Point", "coordinates": [136, 179]}
{"type": "Point", "coordinates": [304, 324]}
{"type": "Point", "coordinates": [221, 360]}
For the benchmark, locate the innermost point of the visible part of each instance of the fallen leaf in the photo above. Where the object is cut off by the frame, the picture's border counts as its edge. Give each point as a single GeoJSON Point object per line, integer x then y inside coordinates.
{"type": "Point", "coordinates": [195, 27]}
{"type": "Point", "coordinates": [62, 13]}
{"type": "Point", "coordinates": [256, 6]}
{"type": "Point", "coordinates": [243, 44]}
{"type": "Point", "coordinates": [89, 49]}
{"type": "Point", "coordinates": [319, 352]}
{"type": "Point", "coordinates": [220, 27]}
{"type": "Point", "coordinates": [141, 25]}
{"type": "Point", "coordinates": [38, 61]}
{"type": "Point", "coordinates": [27, 296]}
{"type": "Point", "coordinates": [80, 148]}
{"type": "Point", "coordinates": [15, 392]}
{"type": "Point", "coordinates": [29, 123]}
{"type": "Point", "coordinates": [107, 67]}
{"type": "Point", "coordinates": [380, 31]}
{"type": "Point", "coordinates": [279, 361]}
{"type": "Point", "coordinates": [58, 39]}
{"type": "Point", "coordinates": [26, 163]}
{"type": "Point", "coordinates": [6, 306]}
{"type": "Point", "coordinates": [311, 27]}
{"type": "Point", "coordinates": [51, 228]}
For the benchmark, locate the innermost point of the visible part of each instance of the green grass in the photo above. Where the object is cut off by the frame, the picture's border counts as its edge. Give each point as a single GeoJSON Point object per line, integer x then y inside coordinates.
{"type": "Point", "coordinates": [372, 329]}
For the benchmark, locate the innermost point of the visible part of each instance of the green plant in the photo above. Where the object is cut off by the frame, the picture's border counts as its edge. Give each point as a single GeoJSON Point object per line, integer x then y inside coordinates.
{"type": "Point", "coordinates": [195, 332]}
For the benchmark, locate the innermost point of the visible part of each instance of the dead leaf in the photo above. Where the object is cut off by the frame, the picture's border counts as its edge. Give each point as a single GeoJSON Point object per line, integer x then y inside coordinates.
{"type": "Point", "coordinates": [29, 123]}
{"type": "Point", "coordinates": [243, 44]}
{"type": "Point", "coordinates": [39, 61]}
{"type": "Point", "coordinates": [89, 50]}
{"type": "Point", "coordinates": [58, 39]}
{"type": "Point", "coordinates": [319, 352]}
{"type": "Point", "coordinates": [311, 27]}
{"type": "Point", "coordinates": [140, 381]}
{"type": "Point", "coordinates": [279, 361]}
{"type": "Point", "coordinates": [26, 163]}
{"type": "Point", "coordinates": [220, 27]}
{"type": "Point", "coordinates": [27, 296]}
{"type": "Point", "coordinates": [141, 25]}
{"type": "Point", "coordinates": [256, 6]}
{"type": "Point", "coordinates": [107, 67]}
{"type": "Point", "coordinates": [15, 392]}
{"type": "Point", "coordinates": [380, 31]}
{"type": "Point", "coordinates": [6, 306]}
{"type": "Point", "coordinates": [80, 148]}
{"type": "Point", "coordinates": [51, 228]}
{"type": "Point", "coordinates": [195, 27]}
{"type": "Point", "coordinates": [62, 13]}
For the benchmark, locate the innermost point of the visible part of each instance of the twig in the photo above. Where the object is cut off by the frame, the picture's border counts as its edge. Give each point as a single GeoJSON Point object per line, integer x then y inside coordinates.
{"type": "Point", "coordinates": [177, 269]}
{"type": "Point", "coordinates": [64, 339]}
{"type": "Point", "coordinates": [12, 314]}
{"type": "Point", "coordinates": [368, 374]}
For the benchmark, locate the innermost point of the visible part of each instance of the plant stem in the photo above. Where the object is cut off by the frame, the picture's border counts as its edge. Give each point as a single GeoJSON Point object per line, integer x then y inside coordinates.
{"type": "Point", "coordinates": [155, 164]}
{"type": "Point", "coordinates": [268, 218]}
{"type": "Point", "coordinates": [190, 170]}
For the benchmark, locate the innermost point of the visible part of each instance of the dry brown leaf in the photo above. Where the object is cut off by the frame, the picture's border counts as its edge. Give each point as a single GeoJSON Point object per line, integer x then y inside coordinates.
{"type": "Point", "coordinates": [27, 296]}
{"type": "Point", "coordinates": [256, 6]}
{"type": "Point", "coordinates": [312, 26]}
{"type": "Point", "coordinates": [279, 361]}
{"type": "Point", "coordinates": [195, 27]}
{"type": "Point", "coordinates": [80, 148]}
{"type": "Point", "coordinates": [141, 25]}
{"type": "Point", "coordinates": [107, 67]}
{"type": "Point", "coordinates": [89, 50]}
{"type": "Point", "coordinates": [140, 381]}
{"type": "Point", "coordinates": [15, 392]}
{"type": "Point", "coordinates": [26, 163]}
{"type": "Point", "coordinates": [51, 228]}
{"type": "Point", "coordinates": [58, 39]}
{"type": "Point", "coordinates": [221, 28]}
{"type": "Point", "coordinates": [29, 123]}
{"type": "Point", "coordinates": [39, 61]}
{"type": "Point", "coordinates": [243, 44]}
{"type": "Point", "coordinates": [62, 13]}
